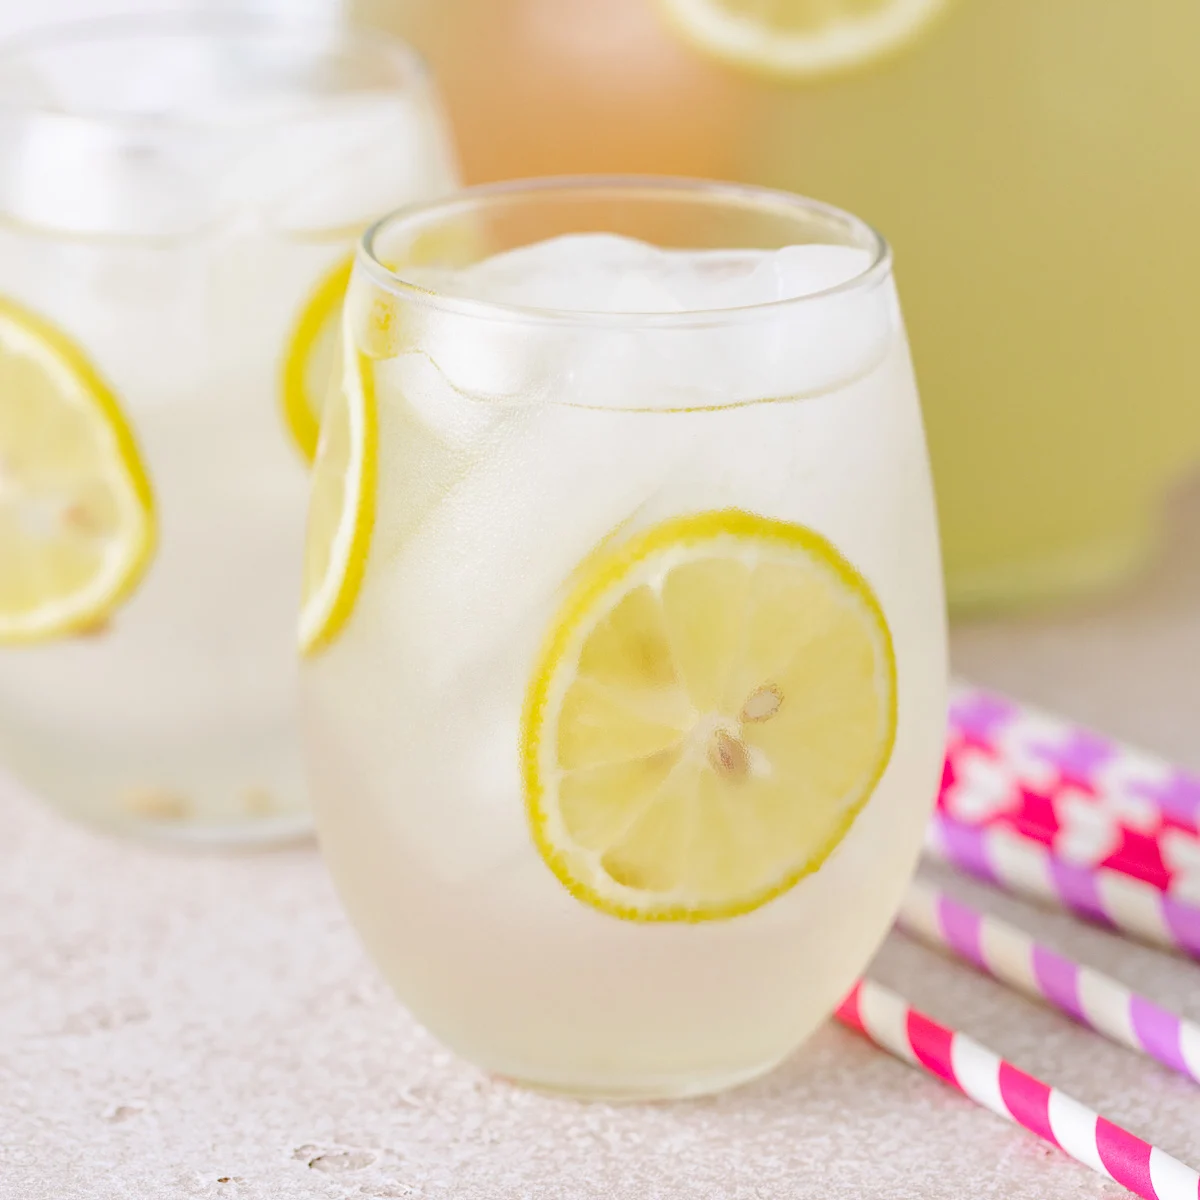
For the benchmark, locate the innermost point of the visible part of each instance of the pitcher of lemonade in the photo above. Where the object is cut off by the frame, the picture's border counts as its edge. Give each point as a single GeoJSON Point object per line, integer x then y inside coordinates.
{"type": "Point", "coordinates": [1028, 159]}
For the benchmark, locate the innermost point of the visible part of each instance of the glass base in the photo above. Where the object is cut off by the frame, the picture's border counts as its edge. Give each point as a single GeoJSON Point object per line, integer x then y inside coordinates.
{"type": "Point", "coordinates": [261, 833]}
{"type": "Point", "coordinates": [200, 818]}
{"type": "Point", "coordinates": [673, 1087]}
{"type": "Point", "coordinates": [1093, 566]}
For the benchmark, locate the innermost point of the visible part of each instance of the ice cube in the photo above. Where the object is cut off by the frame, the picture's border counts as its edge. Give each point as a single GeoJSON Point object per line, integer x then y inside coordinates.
{"type": "Point", "coordinates": [586, 272]}
{"type": "Point", "coordinates": [484, 359]}
{"type": "Point", "coordinates": [603, 272]}
{"type": "Point", "coordinates": [139, 184]}
{"type": "Point", "coordinates": [499, 355]}
{"type": "Point", "coordinates": [721, 357]}
{"type": "Point", "coordinates": [724, 279]}
{"type": "Point", "coordinates": [304, 167]}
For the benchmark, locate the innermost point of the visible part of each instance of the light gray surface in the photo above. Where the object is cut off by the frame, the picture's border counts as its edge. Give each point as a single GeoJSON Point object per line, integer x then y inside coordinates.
{"type": "Point", "coordinates": [169, 1022]}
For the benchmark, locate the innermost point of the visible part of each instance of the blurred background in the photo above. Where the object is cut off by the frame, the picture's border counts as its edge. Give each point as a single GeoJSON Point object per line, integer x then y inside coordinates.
{"type": "Point", "coordinates": [1031, 181]}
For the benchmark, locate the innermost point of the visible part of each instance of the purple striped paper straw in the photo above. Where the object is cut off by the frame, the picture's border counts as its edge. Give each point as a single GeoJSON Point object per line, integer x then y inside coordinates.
{"type": "Point", "coordinates": [1002, 857]}
{"type": "Point", "coordinates": [1086, 995]}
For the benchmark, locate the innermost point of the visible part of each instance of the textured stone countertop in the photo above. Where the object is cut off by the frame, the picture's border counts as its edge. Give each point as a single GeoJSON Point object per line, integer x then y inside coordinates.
{"type": "Point", "coordinates": [208, 1026]}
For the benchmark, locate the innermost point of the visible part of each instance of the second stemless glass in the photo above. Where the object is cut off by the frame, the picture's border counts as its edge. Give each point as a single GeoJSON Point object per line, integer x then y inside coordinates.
{"type": "Point", "coordinates": [179, 199]}
{"type": "Point", "coordinates": [624, 691]}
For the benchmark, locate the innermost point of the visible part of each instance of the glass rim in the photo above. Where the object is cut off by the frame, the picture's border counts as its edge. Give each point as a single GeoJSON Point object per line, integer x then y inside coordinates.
{"type": "Point", "coordinates": [872, 274]}
{"type": "Point", "coordinates": [194, 26]}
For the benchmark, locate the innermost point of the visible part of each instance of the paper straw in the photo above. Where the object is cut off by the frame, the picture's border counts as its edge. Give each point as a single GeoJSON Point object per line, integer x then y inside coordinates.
{"type": "Point", "coordinates": [1084, 994]}
{"type": "Point", "coordinates": [1107, 897]}
{"type": "Point", "coordinates": [1075, 756]}
{"type": "Point", "coordinates": [892, 1024]}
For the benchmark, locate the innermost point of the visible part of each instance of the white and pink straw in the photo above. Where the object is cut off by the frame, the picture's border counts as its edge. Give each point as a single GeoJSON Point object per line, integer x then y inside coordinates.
{"type": "Point", "coordinates": [890, 1023]}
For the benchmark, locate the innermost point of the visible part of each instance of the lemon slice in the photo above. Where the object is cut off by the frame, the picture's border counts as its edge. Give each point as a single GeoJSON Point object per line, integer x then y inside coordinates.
{"type": "Point", "coordinates": [76, 508]}
{"type": "Point", "coordinates": [801, 38]}
{"type": "Point", "coordinates": [715, 704]}
{"type": "Point", "coordinates": [311, 356]}
{"type": "Point", "coordinates": [341, 510]}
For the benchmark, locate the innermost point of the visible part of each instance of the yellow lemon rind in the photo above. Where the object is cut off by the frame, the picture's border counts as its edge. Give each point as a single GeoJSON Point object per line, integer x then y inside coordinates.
{"type": "Point", "coordinates": [321, 624]}
{"type": "Point", "coordinates": [140, 542]}
{"type": "Point", "coordinates": [794, 58]}
{"type": "Point", "coordinates": [300, 416]}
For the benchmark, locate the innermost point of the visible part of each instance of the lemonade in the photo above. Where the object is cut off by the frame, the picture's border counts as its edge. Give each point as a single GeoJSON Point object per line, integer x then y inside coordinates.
{"type": "Point", "coordinates": [1023, 157]}
{"type": "Point", "coordinates": [623, 631]}
{"type": "Point", "coordinates": [178, 203]}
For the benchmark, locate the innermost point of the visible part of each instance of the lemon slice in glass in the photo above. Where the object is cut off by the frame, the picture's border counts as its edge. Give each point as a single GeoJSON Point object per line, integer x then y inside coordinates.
{"type": "Point", "coordinates": [713, 707]}
{"type": "Point", "coordinates": [341, 509]}
{"type": "Point", "coordinates": [801, 38]}
{"type": "Point", "coordinates": [311, 356]}
{"type": "Point", "coordinates": [76, 509]}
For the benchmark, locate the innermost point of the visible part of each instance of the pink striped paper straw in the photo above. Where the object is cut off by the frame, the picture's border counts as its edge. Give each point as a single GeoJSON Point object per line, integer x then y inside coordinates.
{"type": "Point", "coordinates": [1086, 995]}
{"type": "Point", "coordinates": [892, 1024]}
{"type": "Point", "coordinates": [1107, 897]}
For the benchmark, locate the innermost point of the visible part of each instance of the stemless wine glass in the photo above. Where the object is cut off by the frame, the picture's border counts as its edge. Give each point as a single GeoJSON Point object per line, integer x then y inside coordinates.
{"type": "Point", "coordinates": [623, 693]}
{"type": "Point", "coordinates": [179, 200]}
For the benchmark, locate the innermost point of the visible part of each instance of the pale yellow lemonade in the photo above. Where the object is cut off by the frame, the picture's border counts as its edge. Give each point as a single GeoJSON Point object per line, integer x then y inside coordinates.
{"type": "Point", "coordinates": [624, 641]}
{"type": "Point", "coordinates": [179, 201]}
{"type": "Point", "coordinates": [1029, 159]}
